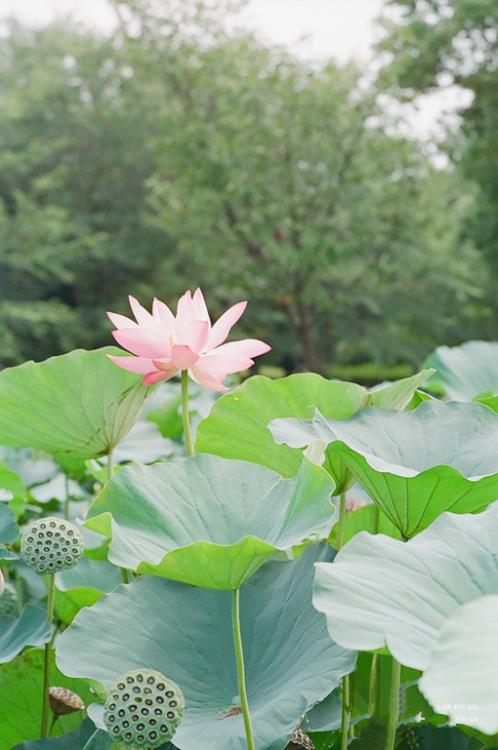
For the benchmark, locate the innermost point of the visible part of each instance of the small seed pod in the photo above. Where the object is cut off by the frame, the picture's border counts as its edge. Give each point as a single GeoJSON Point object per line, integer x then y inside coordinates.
{"type": "Point", "coordinates": [300, 741]}
{"type": "Point", "coordinates": [8, 601]}
{"type": "Point", "coordinates": [64, 701]}
{"type": "Point", "coordinates": [143, 709]}
{"type": "Point", "coordinates": [50, 545]}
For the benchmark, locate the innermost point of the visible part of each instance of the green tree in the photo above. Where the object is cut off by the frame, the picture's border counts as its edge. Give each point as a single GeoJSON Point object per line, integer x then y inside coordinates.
{"type": "Point", "coordinates": [436, 44]}
{"type": "Point", "coordinates": [74, 160]}
{"type": "Point", "coordinates": [279, 180]}
{"type": "Point", "coordinates": [173, 152]}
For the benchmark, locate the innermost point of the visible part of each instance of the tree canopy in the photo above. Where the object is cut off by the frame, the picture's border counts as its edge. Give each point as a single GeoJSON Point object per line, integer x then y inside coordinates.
{"type": "Point", "coordinates": [437, 44]}
{"type": "Point", "coordinates": [173, 152]}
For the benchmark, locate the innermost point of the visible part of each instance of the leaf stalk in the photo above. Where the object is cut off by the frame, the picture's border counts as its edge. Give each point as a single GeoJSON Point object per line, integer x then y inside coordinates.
{"type": "Point", "coordinates": [46, 663]}
{"type": "Point", "coordinates": [186, 415]}
{"type": "Point", "coordinates": [241, 677]}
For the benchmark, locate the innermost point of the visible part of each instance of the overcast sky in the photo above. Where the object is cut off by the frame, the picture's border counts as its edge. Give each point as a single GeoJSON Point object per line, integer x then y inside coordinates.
{"type": "Point", "coordinates": [314, 29]}
{"type": "Point", "coordinates": [334, 28]}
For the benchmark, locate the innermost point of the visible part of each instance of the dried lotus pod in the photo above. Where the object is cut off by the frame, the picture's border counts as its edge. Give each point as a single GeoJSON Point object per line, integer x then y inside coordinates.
{"type": "Point", "coordinates": [64, 701]}
{"type": "Point", "coordinates": [9, 601]}
{"type": "Point", "coordinates": [300, 741]}
{"type": "Point", "coordinates": [51, 544]}
{"type": "Point", "coordinates": [143, 709]}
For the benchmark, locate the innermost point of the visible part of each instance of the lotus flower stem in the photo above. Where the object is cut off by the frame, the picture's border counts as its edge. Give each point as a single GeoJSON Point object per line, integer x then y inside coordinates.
{"type": "Point", "coordinates": [46, 664]}
{"type": "Point", "coordinates": [66, 497]}
{"type": "Point", "coordinates": [373, 687]}
{"type": "Point", "coordinates": [186, 415]}
{"type": "Point", "coordinates": [109, 466]}
{"type": "Point", "coordinates": [124, 572]}
{"type": "Point", "coordinates": [346, 685]}
{"type": "Point", "coordinates": [392, 723]}
{"type": "Point", "coordinates": [345, 712]}
{"type": "Point", "coordinates": [342, 520]}
{"type": "Point", "coordinates": [52, 725]}
{"type": "Point", "coordinates": [239, 659]}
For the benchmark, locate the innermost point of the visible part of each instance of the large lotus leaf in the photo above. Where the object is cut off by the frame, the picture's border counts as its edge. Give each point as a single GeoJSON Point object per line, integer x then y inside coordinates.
{"type": "Point", "coordinates": [400, 394]}
{"type": "Point", "coordinates": [57, 488]}
{"type": "Point", "coordinates": [12, 489]}
{"type": "Point", "coordinates": [461, 680]}
{"type": "Point", "coordinates": [464, 372]}
{"type": "Point", "coordinates": [325, 716]}
{"type": "Point", "coordinates": [369, 518]}
{"type": "Point", "coordinates": [83, 585]}
{"type": "Point", "coordinates": [208, 521]}
{"type": "Point", "coordinates": [21, 684]}
{"type": "Point", "coordinates": [9, 530]}
{"type": "Point", "coordinates": [77, 404]}
{"type": "Point", "coordinates": [29, 629]}
{"type": "Point", "coordinates": [80, 739]}
{"type": "Point", "coordinates": [237, 424]}
{"type": "Point", "coordinates": [381, 591]}
{"type": "Point", "coordinates": [415, 465]}
{"type": "Point", "coordinates": [144, 443]}
{"type": "Point", "coordinates": [186, 633]}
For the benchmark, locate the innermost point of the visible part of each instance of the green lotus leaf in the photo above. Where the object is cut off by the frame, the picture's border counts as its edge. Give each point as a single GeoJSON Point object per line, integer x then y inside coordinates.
{"type": "Point", "coordinates": [101, 740]}
{"type": "Point", "coordinates": [7, 555]}
{"type": "Point", "coordinates": [368, 518]}
{"type": "Point", "coordinates": [464, 372]}
{"type": "Point", "coordinates": [208, 521]}
{"type": "Point", "coordinates": [414, 465]}
{"type": "Point", "coordinates": [78, 404]}
{"type": "Point", "coordinates": [21, 684]}
{"type": "Point", "coordinates": [9, 530]}
{"type": "Point", "coordinates": [325, 716]}
{"type": "Point", "coordinates": [237, 424]}
{"type": "Point", "coordinates": [259, 400]}
{"type": "Point", "coordinates": [186, 634]}
{"type": "Point", "coordinates": [400, 394]}
{"type": "Point", "coordinates": [145, 444]}
{"type": "Point", "coordinates": [29, 629]}
{"type": "Point", "coordinates": [461, 680]}
{"type": "Point", "coordinates": [82, 586]}
{"type": "Point", "coordinates": [490, 400]}
{"type": "Point", "coordinates": [79, 739]}
{"type": "Point", "coordinates": [384, 592]}
{"type": "Point", "coordinates": [12, 489]}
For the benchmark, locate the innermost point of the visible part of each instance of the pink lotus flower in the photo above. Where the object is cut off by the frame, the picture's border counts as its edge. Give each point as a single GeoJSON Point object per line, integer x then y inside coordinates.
{"type": "Point", "coordinates": [164, 344]}
{"type": "Point", "coordinates": [2, 582]}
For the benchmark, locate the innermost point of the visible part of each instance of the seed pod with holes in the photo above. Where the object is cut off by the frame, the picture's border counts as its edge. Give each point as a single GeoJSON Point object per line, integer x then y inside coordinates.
{"type": "Point", "coordinates": [143, 709]}
{"type": "Point", "coordinates": [300, 741]}
{"type": "Point", "coordinates": [64, 701]}
{"type": "Point", "coordinates": [8, 601]}
{"type": "Point", "coordinates": [51, 544]}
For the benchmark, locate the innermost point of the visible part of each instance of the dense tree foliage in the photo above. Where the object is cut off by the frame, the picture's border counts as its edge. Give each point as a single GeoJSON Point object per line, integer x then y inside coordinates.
{"type": "Point", "coordinates": [437, 44]}
{"type": "Point", "coordinates": [172, 153]}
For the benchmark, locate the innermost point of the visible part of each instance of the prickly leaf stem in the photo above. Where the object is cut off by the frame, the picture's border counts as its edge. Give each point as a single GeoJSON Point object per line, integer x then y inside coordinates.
{"type": "Point", "coordinates": [124, 573]}
{"type": "Point", "coordinates": [346, 686]}
{"type": "Point", "coordinates": [186, 415]}
{"type": "Point", "coordinates": [392, 723]}
{"type": "Point", "coordinates": [66, 497]}
{"type": "Point", "coordinates": [46, 664]}
{"type": "Point", "coordinates": [241, 677]}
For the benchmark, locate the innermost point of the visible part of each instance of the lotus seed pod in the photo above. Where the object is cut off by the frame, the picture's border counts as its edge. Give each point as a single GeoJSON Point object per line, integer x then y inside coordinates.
{"type": "Point", "coordinates": [50, 545]}
{"type": "Point", "coordinates": [8, 602]}
{"type": "Point", "coordinates": [143, 709]}
{"type": "Point", "coordinates": [64, 701]}
{"type": "Point", "coordinates": [300, 741]}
